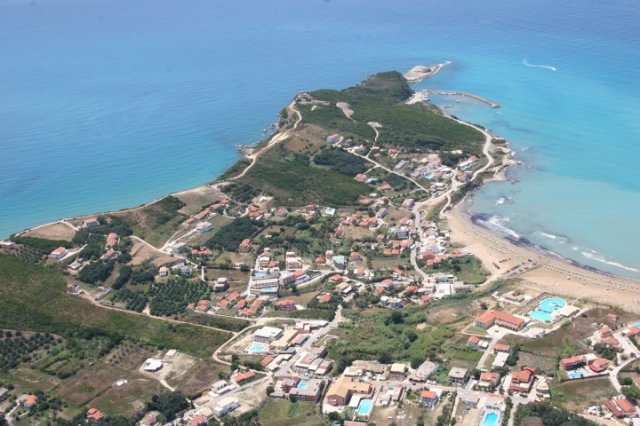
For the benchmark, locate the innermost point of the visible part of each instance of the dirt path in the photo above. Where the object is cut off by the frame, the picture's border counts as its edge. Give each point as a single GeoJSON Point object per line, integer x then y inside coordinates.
{"type": "Point", "coordinates": [274, 141]}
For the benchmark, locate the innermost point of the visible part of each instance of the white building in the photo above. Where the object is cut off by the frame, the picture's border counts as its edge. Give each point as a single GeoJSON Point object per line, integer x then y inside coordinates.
{"type": "Point", "coordinates": [152, 365]}
{"type": "Point", "coordinates": [225, 406]}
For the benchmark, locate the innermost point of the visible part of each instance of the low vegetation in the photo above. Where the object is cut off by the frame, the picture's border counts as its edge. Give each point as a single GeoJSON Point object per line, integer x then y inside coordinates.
{"type": "Point", "coordinates": [34, 298]}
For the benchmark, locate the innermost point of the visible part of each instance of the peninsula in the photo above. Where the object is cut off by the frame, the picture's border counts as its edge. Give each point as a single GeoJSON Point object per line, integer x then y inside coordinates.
{"type": "Point", "coordinates": [331, 275]}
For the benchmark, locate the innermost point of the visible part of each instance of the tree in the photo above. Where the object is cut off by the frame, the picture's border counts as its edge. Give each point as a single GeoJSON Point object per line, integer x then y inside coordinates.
{"type": "Point", "coordinates": [169, 404]}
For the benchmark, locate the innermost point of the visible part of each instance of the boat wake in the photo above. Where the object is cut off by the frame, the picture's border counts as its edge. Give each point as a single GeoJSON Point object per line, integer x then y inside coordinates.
{"type": "Point", "coordinates": [546, 67]}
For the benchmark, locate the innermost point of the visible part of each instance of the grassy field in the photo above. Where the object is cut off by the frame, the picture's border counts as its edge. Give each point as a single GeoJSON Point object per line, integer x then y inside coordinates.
{"type": "Point", "coordinates": [33, 298]}
{"type": "Point", "coordinates": [156, 222]}
{"type": "Point", "coordinates": [292, 180]}
{"type": "Point", "coordinates": [286, 413]}
{"type": "Point", "coordinates": [580, 394]}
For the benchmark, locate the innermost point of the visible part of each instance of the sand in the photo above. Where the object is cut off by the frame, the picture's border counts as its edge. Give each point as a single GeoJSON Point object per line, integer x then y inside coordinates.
{"type": "Point", "coordinates": [52, 231]}
{"type": "Point", "coordinates": [547, 272]}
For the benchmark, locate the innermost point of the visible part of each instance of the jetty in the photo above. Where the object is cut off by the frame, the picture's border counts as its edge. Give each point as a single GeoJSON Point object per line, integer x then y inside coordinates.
{"type": "Point", "coordinates": [465, 94]}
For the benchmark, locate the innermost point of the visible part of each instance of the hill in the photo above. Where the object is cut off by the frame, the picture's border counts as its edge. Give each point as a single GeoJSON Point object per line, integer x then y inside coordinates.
{"type": "Point", "coordinates": [33, 298]}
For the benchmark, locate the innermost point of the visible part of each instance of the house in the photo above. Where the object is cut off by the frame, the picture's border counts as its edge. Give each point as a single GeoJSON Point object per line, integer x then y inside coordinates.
{"type": "Point", "coordinates": [341, 391]}
{"type": "Point", "coordinates": [473, 341]}
{"type": "Point", "coordinates": [28, 400]}
{"type": "Point", "coordinates": [397, 371]}
{"type": "Point", "coordinates": [245, 246]}
{"type": "Point", "coordinates": [501, 347]}
{"type": "Point", "coordinates": [522, 381]}
{"type": "Point", "coordinates": [91, 222]}
{"type": "Point", "coordinates": [599, 365]}
{"type": "Point", "coordinates": [572, 363]}
{"type": "Point", "coordinates": [203, 305]}
{"type": "Point", "coordinates": [458, 375]}
{"type": "Point", "coordinates": [324, 298]}
{"type": "Point", "coordinates": [222, 284]}
{"type": "Point", "coordinates": [311, 391]}
{"type": "Point", "coordinates": [198, 421]}
{"type": "Point", "coordinates": [285, 305]}
{"type": "Point", "coordinates": [163, 271]}
{"type": "Point", "coordinates": [621, 407]}
{"type": "Point", "coordinates": [150, 419]}
{"type": "Point", "coordinates": [112, 239]}
{"type": "Point", "coordinates": [244, 377]}
{"type": "Point", "coordinates": [333, 138]}
{"type": "Point", "coordinates": [225, 406]}
{"type": "Point", "coordinates": [428, 398]}
{"type": "Point", "coordinates": [203, 227]}
{"type": "Point", "coordinates": [58, 253]}
{"type": "Point", "coordinates": [94, 415]}
{"type": "Point", "coordinates": [502, 319]}
{"type": "Point", "coordinates": [488, 380]}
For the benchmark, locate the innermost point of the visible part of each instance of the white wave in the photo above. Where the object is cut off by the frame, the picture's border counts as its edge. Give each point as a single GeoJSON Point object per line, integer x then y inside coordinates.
{"type": "Point", "coordinates": [496, 223]}
{"type": "Point", "coordinates": [546, 67]}
{"type": "Point", "coordinates": [500, 201]}
{"type": "Point", "coordinates": [553, 237]}
{"type": "Point", "coordinates": [603, 259]}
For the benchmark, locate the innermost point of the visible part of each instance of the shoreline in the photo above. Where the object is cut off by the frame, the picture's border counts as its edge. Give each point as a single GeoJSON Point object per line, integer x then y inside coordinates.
{"type": "Point", "coordinates": [465, 227]}
{"type": "Point", "coordinates": [549, 272]}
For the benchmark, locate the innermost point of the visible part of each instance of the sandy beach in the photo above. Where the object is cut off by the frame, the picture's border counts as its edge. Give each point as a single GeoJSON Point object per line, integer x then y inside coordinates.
{"type": "Point", "coordinates": [539, 269]}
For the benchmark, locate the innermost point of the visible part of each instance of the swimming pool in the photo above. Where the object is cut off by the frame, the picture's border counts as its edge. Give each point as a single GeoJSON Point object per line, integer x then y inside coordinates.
{"type": "Point", "coordinates": [490, 418]}
{"type": "Point", "coordinates": [302, 385]}
{"type": "Point", "coordinates": [575, 374]}
{"type": "Point", "coordinates": [365, 407]}
{"type": "Point", "coordinates": [256, 348]}
{"type": "Point", "coordinates": [545, 309]}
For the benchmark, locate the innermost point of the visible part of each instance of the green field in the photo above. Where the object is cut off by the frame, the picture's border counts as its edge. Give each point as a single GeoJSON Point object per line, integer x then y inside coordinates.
{"type": "Point", "coordinates": [286, 413]}
{"type": "Point", "coordinates": [33, 298]}
{"type": "Point", "coordinates": [380, 98]}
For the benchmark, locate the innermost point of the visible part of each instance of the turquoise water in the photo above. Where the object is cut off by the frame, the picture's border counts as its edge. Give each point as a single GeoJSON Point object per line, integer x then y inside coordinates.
{"type": "Point", "coordinates": [109, 103]}
{"type": "Point", "coordinates": [575, 374]}
{"type": "Point", "coordinates": [257, 348]}
{"type": "Point", "coordinates": [546, 307]}
{"type": "Point", "coordinates": [365, 407]}
{"type": "Point", "coordinates": [490, 419]}
{"type": "Point", "coordinates": [302, 385]}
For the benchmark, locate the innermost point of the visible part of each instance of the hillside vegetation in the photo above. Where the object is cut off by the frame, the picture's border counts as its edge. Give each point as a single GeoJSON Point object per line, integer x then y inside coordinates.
{"type": "Point", "coordinates": [380, 98]}
{"type": "Point", "coordinates": [34, 298]}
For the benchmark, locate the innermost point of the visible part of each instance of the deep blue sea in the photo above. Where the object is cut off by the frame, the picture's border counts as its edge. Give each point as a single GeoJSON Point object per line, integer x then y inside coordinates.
{"type": "Point", "coordinates": [105, 104]}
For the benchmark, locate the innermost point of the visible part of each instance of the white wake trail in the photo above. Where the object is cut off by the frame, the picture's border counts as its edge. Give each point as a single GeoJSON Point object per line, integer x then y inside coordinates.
{"type": "Point", "coordinates": [546, 67]}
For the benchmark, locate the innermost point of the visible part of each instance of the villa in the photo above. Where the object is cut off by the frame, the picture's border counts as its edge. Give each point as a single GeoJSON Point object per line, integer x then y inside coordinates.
{"type": "Point", "coordinates": [522, 381]}
{"type": "Point", "coordinates": [341, 391]}
{"type": "Point", "coordinates": [621, 408]}
{"type": "Point", "coordinates": [572, 363]}
{"type": "Point", "coordinates": [502, 319]}
{"type": "Point", "coordinates": [58, 253]}
{"type": "Point", "coordinates": [488, 380]}
{"type": "Point", "coordinates": [94, 415]}
{"type": "Point", "coordinates": [429, 398]}
{"type": "Point", "coordinates": [458, 375]}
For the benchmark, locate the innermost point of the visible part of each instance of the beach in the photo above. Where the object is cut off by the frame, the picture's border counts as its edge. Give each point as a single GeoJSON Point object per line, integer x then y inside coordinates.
{"type": "Point", "coordinates": [547, 273]}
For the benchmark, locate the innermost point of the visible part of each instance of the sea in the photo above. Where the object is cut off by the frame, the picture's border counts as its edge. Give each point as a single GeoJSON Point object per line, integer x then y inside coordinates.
{"type": "Point", "coordinates": [106, 104]}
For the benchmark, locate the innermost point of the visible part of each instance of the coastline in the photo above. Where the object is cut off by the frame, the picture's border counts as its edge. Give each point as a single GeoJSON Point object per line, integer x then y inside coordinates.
{"type": "Point", "coordinates": [551, 271]}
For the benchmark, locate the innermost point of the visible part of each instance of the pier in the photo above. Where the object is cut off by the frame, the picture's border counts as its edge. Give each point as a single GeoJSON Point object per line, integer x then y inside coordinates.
{"type": "Point", "coordinates": [465, 94]}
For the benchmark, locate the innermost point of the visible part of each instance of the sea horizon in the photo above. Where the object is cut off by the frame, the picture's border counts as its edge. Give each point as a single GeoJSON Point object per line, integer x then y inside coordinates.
{"type": "Point", "coordinates": [91, 128]}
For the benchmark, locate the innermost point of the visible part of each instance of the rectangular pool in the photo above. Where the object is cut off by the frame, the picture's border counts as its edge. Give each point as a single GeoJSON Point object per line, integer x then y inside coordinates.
{"type": "Point", "coordinates": [365, 407]}
{"type": "Point", "coordinates": [490, 419]}
{"type": "Point", "coordinates": [256, 348]}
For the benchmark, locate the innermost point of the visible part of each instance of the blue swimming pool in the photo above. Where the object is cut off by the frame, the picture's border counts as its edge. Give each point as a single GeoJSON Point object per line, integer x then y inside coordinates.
{"type": "Point", "coordinates": [490, 419]}
{"type": "Point", "coordinates": [365, 407]}
{"type": "Point", "coordinates": [545, 309]}
{"type": "Point", "coordinates": [256, 348]}
{"type": "Point", "coordinates": [575, 374]}
{"type": "Point", "coordinates": [302, 385]}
